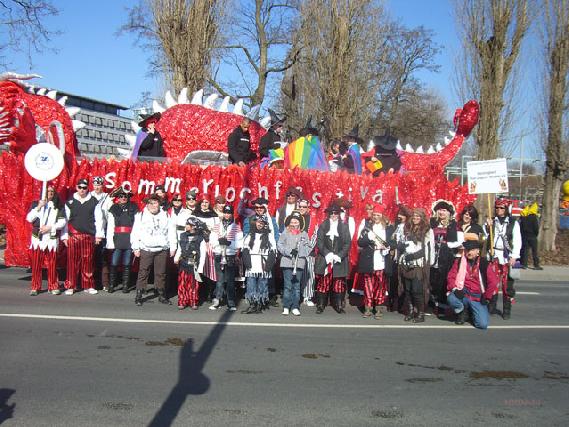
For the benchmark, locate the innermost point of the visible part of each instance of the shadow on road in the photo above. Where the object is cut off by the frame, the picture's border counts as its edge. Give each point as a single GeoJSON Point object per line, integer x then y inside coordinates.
{"type": "Point", "coordinates": [191, 380]}
{"type": "Point", "coordinates": [6, 411]}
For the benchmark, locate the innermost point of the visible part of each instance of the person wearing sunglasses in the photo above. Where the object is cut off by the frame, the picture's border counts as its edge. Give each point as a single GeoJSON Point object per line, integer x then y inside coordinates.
{"type": "Point", "coordinates": [101, 256]}
{"type": "Point", "coordinates": [503, 251]}
{"type": "Point", "coordinates": [84, 229]}
{"type": "Point", "coordinates": [331, 266]}
{"type": "Point", "coordinates": [47, 217]}
{"type": "Point", "coordinates": [292, 196]}
{"type": "Point", "coordinates": [119, 227]}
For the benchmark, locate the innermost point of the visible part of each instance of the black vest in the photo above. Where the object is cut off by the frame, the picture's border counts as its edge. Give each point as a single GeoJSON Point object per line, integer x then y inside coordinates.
{"type": "Point", "coordinates": [82, 215]}
{"type": "Point", "coordinates": [124, 217]}
{"type": "Point", "coordinates": [190, 246]}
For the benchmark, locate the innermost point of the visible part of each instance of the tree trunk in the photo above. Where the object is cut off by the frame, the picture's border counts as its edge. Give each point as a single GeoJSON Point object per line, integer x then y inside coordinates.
{"type": "Point", "coordinates": [550, 213]}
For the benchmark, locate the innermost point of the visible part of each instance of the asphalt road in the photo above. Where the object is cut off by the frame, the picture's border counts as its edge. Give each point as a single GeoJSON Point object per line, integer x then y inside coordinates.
{"type": "Point", "coordinates": [99, 360]}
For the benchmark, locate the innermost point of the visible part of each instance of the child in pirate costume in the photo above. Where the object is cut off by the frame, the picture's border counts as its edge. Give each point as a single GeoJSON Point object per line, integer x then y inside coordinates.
{"type": "Point", "coordinates": [503, 251]}
{"type": "Point", "coordinates": [471, 285]}
{"type": "Point", "coordinates": [446, 242]}
{"type": "Point", "coordinates": [294, 247]}
{"type": "Point", "coordinates": [332, 261]}
{"type": "Point", "coordinates": [395, 297]}
{"type": "Point", "coordinates": [226, 240]}
{"type": "Point", "coordinates": [416, 256]}
{"type": "Point", "coordinates": [47, 217]}
{"type": "Point", "coordinates": [372, 261]}
{"type": "Point", "coordinates": [190, 258]}
{"type": "Point", "coordinates": [120, 221]}
{"type": "Point", "coordinates": [259, 256]}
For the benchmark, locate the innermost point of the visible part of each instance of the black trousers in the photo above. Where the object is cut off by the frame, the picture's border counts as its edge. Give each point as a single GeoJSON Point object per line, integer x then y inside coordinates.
{"type": "Point", "coordinates": [528, 244]}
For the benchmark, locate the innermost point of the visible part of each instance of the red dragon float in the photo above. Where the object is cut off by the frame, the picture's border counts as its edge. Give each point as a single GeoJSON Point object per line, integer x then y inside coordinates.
{"type": "Point", "coordinates": [27, 115]}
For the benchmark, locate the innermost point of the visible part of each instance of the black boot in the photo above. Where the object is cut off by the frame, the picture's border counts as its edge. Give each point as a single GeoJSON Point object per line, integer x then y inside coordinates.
{"type": "Point", "coordinates": [320, 302]}
{"type": "Point", "coordinates": [460, 317]}
{"type": "Point", "coordinates": [492, 305]}
{"type": "Point", "coordinates": [125, 279]}
{"type": "Point", "coordinates": [410, 312]}
{"type": "Point", "coordinates": [420, 318]}
{"type": "Point", "coordinates": [138, 297]}
{"type": "Point", "coordinates": [163, 298]}
{"type": "Point", "coordinates": [112, 278]}
{"type": "Point", "coordinates": [507, 311]}
{"type": "Point", "coordinates": [251, 309]}
{"type": "Point", "coordinates": [338, 303]}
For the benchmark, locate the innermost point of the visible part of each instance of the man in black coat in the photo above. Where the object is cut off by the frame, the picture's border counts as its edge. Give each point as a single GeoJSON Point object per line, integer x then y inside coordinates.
{"type": "Point", "coordinates": [529, 227]}
{"type": "Point", "coordinates": [239, 144]}
{"type": "Point", "coordinates": [152, 145]}
{"type": "Point", "coordinates": [385, 151]}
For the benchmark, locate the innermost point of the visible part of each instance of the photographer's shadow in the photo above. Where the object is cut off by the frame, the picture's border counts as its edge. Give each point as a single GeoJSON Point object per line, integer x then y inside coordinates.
{"type": "Point", "coordinates": [191, 380]}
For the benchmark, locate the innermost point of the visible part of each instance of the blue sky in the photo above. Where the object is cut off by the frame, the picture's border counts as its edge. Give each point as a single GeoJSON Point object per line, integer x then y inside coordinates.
{"type": "Point", "coordinates": [91, 60]}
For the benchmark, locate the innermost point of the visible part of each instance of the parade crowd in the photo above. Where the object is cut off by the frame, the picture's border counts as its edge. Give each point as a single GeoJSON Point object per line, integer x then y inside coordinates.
{"type": "Point", "coordinates": [437, 263]}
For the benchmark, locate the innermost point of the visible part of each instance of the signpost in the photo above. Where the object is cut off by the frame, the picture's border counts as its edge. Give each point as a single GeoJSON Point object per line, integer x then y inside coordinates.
{"type": "Point", "coordinates": [490, 177]}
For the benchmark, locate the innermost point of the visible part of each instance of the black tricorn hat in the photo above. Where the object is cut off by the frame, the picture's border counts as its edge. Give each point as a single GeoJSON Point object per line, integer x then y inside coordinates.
{"type": "Point", "coordinates": [149, 118]}
{"type": "Point", "coordinates": [443, 204]}
{"type": "Point", "coordinates": [387, 142]}
{"type": "Point", "coordinates": [275, 119]}
{"type": "Point", "coordinates": [295, 215]}
{"type": "Point", "coordinates": [471, 244]}
{"type": "Point", "coordinates": [333, 207]}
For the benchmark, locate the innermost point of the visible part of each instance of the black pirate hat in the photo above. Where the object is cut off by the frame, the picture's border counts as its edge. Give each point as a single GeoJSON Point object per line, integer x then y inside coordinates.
{"type": "Point", "coordinates": [149, 118]}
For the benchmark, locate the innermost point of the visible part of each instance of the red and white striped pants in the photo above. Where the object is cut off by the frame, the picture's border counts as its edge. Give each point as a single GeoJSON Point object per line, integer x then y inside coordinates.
{"type": "Point", "coordinates": [375, 288]}
{"type": "Point", "coordinates": [324, 283]}
{"type": "Point", "coordinates": [80, 248]}
{"type": "Point", "coordinates": [188, 289]}
{"type": "Point", "coordinates": [39, 257]}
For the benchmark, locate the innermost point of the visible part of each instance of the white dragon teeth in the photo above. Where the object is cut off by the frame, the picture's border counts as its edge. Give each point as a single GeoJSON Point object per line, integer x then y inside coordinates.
{"type": "Point", "coordinates": [430, 150]}
{"type": "Point", "coordinates": [61, 101]}
{"type": "Point", "coordinates": [409, 149]}
{"type": "Point", "coordinates": [238, 108]}
{"type": "Point", "coordinates": [77, 124]}
{"type": "Point", "coordinates": [134, 126]}
{"type": "Point", "coordinates": [169, 100]}
{"type": "Point", "coordinates": [157, 108]}
{"type": "Point", "coordinates": [131, 139]}
{"type": "Point", "coordinates": [419, 150]}
{"type": "Point", "coordinates": [224, 107]}
{"type": "Point", "coordinates": [439, 147]}
{"type": "Point", "coordinates": [72, 110]}
{"type": "Point", "coordinates": [447, 141]}
{"type": "Point", "coordinates": [52, 94]}
{"type": "Point", "coordinates": [183, 96]}
{"type": "Point", "coordinates": [210, 101]}
{"type": "Point", "coordinates": [397, 147]}
{"type": "Point", "coordinates": [41, 91]}
{"type": "Point", "coordinates": [451, 133]}
{"type": "Point", "coordinates": [197, 98]}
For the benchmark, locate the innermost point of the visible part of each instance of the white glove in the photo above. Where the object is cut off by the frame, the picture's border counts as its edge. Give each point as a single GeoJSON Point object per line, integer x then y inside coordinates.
{"type": "Point", "coordinates": [337, 259]}
{"type": "Point", "coordinates": [329, 258]}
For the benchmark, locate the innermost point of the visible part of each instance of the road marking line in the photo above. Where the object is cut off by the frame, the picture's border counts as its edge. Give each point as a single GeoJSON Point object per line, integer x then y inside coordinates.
{"type": "Point", "coordinates": [276, 325]}
{"type": "Point", "coordinates": [527, 293]}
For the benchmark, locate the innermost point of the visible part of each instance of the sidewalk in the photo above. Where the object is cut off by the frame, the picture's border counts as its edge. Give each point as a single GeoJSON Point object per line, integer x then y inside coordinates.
{"type": "Point", "coordinates": [550, 273]}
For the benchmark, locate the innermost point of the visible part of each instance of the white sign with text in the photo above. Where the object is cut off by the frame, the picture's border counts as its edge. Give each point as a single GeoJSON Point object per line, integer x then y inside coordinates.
{"type": "Point", "coordinates": [487, 176]}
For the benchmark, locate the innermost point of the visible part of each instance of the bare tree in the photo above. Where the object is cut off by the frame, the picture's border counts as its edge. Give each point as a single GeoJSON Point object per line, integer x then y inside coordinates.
{"type": "Point", "coordinates": [556, 50]}
{"type": "Point", "coordinates": [492, 35]}
{"type": "Point", "coordinates": [23, 29]}
{"type": "Point", "coordinates": [181, 35]}
{"type": "Point", "coordinates": [261, 31]}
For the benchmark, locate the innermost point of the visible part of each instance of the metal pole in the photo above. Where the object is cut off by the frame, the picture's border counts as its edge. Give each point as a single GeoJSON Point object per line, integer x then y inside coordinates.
{"type": "Point", "coordinates": [521, 165]}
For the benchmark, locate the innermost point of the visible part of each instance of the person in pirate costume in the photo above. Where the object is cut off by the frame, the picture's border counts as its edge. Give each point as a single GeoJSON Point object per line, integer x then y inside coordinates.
{"type": "Point", "coordinates": [101, 256]}
{"type": "Point", "coordinates": [352, 143]}
{"type": "Point", "coordinates": [446, 242]}
{"type": "Point", "coordinates": [372, 261]}
{"type": "Point", "coordinates": [179, 225]}
{"type": "Point", "coordinates": [47, 217]}
{"type": "Point", "coordinates": [311, 227]}
{"type": "Point", "coordinates": [176, 213]}
{"type": "Point", "coordinates": [149, 242]}
{"type": "Point", "coordinates": [504, 245]}
{"type": "Point", "coordinates": [207, 215]}
{"type": "Point", "coordinates": [294, 247]}
{"type": "Point", "coordinates": [292, 196]}
{"type": "Point", "coordinates": [471, 285]}
{"type": "Point", "coordinates": [226, 240]}
{"type": "Point", "coordinates": [259, 256]}
{"type": "Point", "coordinates": [383, 157]}
{"type": "Point", "coordinates": [395, 297]}
{"type": "Point", "coordinates": [332, 261]}
{"type": "Point", "coordinates": [84, 229]}
{"type": "Point", "coordinates": [119, 226]}
{"type": "Point", "coordinates": [416, 253]}
{"type": "Point", "coordinates": [153, 144]}
{"type": "Point", "coordinates": [468, 227]}
{"type": "Point", "coordinates": [160, 192]}
{"type": "Point", "coordinates": [273, 138]}
{"type": "Point", "coordinates": [190, 257]}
